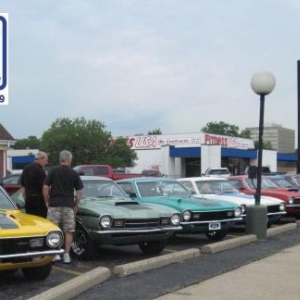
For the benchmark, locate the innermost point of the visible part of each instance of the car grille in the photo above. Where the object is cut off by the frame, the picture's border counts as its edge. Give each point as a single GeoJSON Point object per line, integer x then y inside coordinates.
{"type": "Point", "coordinates": [214, 215]}
{"type": "Point", "coordinates": [142, 223]}
{"type": "Point", "coordinates": [20, 245]}
{"type": "Point", "coordinates": [297, 201]}
{"type": "Point", "coordinates": [273, 208]}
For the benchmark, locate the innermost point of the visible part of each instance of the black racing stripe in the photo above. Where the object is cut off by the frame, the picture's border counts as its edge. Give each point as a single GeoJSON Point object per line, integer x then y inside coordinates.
{"type": "Point", "coordinates": [6, 222]}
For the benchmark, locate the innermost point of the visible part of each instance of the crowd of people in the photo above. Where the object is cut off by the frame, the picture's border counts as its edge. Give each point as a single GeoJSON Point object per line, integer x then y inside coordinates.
{"type": "Point", "coordinates": [51, 195]}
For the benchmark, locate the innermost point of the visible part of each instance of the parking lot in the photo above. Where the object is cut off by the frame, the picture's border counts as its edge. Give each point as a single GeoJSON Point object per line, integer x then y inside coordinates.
{"type": "Point", "coordinates": [16, 287]}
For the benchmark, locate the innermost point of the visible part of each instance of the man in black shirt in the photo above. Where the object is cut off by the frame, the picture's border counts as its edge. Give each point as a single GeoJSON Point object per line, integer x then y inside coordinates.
{"type": "Point", "coordinates": [60, 185]}
{"type": "Point", "coordinates": [32, 180]}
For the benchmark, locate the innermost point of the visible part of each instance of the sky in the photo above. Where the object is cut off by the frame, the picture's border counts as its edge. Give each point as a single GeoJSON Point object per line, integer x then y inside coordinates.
{"type": "Point", "coordinates": [140, 65]}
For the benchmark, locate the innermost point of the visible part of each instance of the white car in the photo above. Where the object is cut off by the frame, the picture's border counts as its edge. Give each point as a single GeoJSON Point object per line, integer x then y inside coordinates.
{"type": "Point", "coordinates": [223, 189]}
{"type": "Point", "coordinates": [217, 172]}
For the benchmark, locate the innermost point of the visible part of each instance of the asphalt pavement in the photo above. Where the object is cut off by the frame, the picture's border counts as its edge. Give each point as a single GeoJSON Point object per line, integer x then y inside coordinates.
{"type": "Point", "coordinates": [262, 269]}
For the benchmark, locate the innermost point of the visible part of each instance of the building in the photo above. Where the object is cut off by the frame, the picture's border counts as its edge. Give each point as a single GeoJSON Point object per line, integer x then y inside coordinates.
{"type": "Point", "coordinates": [188, 155]}
{"type": "Point", "coordinates": [281, 139]}
{"type": "Point", "coordinates": [6, 141]}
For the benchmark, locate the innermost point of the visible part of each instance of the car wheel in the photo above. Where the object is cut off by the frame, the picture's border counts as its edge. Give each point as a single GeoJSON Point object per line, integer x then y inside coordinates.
{"type": "Point", "coordinates": [82, 246]}
{"type": "Point", "coordinates": [216, 235]}
{"type": "Point", "coordinates": [37, 273]}
{"type": "Point", "coordinates": [152, 248]}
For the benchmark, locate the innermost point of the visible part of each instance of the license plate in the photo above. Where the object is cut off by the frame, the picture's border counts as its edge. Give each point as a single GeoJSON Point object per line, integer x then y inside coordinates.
{"type": "Point", "coordinates": [214, 226]}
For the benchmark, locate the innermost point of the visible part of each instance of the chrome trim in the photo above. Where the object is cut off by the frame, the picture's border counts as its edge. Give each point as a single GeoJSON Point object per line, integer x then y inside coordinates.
{"type": "Point", "coordinates": [138, 230]}
{"type": "Point", "coordinates": [33, 254]}
{"type": "Point", "coordinates": [292, 205]}
{"type": "Point", "coordinates": [212, 221]}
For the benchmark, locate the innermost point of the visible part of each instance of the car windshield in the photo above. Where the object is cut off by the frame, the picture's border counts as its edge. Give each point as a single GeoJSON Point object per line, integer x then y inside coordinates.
{"type": "Point", "coordinates": [215, 187]}
{"type": "Point", "coordinates": [5, 202]}
{"type": "Point", "coordinates": [161, 188]}
{"type": "Point", "coordinates": [266, 183]}
{"type": "Point", "coordinates": [218, 172]}
{"type": "Point", "coordinates": [102, 189]}
{"type": "Point", "coordinates": [282, 182]}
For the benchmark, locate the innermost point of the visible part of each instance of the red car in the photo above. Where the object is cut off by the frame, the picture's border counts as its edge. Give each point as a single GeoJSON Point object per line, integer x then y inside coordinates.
{"type": "Point", "coordinates": [11, 183]}
{"type": "Point", "coordinates": [291, 197]}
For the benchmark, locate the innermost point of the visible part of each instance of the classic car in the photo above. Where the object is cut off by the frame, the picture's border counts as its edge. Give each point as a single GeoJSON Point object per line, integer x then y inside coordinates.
{"type": "Point", "coordinates": [213, 218]}
{"type": "Point", "coordinates": [269, 188]}
{"type": "Point", "coordinates": [284, 182]}
{"type": "Point", "coordinates": [107, 216]}
{"type": "Point", "coordinates": [27, 242]}
{"type": "Point", "coordinates": [223, 189]}
{"type": "Point", "coordinates": [11, 183]}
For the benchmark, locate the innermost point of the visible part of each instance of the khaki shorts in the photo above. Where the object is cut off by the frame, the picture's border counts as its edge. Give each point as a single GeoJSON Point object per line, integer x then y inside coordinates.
{"type": "Point", "coordinates": [63, 217]}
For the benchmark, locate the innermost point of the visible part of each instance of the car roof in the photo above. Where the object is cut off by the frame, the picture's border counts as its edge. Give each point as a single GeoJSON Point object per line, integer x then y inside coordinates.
{"type": "Point", "coordinates": [203, 178]}
{"type": "Point", "coordinates": [147, 179]}
{"type": "Point", "coordinates": [96, 178]}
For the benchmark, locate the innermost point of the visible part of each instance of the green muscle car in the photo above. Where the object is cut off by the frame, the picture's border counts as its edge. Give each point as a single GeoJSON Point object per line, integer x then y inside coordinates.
{"type": "Point", "coordinates": [107, 216]}
{"type": "Point", "coordinates": [211, 217]}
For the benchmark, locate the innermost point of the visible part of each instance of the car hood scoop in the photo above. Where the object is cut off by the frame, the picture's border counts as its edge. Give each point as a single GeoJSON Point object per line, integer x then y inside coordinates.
{"type": "Point", "coordinates": [126, 203]}
{"type": "Point", "coordinates": [6, 222]}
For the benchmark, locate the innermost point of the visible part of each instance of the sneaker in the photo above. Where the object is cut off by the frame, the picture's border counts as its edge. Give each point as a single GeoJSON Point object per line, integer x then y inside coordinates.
{"type": "Point", "coordinates": [67, 258]}
{"type": "Point", "coordinates": [56, 258]}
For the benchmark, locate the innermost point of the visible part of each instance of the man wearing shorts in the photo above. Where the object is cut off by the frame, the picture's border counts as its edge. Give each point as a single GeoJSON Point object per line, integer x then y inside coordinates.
{"type": "Point", "coordinates": [58, 192]}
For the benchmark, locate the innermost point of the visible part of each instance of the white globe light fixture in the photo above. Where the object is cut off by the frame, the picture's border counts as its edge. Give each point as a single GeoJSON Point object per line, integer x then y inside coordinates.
{"type": "Point", "coordinates": [262, 83]}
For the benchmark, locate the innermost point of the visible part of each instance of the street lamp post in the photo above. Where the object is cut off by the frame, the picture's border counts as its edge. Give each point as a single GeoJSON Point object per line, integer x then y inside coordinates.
{"type": "Point", "coordinates": [262, 83]}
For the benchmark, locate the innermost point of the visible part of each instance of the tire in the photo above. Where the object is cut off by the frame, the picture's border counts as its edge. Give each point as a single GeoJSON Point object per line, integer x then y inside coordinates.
{"type": "Point", "coordinates": [82, 247]}
{"type": "Point", "coordinates": [217, 235]}
{"type": "Point", "coordinates": [152, 248]}
{"type": "Point", "coordinates": [37, 273]}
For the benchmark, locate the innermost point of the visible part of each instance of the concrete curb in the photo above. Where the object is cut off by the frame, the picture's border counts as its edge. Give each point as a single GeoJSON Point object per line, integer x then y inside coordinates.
{"type": "Point", "coordinates": [281, 229]}
{"type": "Point", "coordinates": [155, 262]}
{"type": "Point", "coordinates": [228, 244]}
{"type": "Point", "coordinates": [75, 286]}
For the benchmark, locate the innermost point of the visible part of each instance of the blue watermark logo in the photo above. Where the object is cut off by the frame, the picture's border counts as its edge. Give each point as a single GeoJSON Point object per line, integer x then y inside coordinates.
{"type": "Point", "coordinates": [3, 58]}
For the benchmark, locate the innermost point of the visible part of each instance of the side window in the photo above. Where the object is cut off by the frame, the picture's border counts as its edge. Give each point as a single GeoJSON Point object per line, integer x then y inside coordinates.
{"type": "Point", "coordinates": [189, 186]}
{"type": "Point", "coordinates": [127, 188]}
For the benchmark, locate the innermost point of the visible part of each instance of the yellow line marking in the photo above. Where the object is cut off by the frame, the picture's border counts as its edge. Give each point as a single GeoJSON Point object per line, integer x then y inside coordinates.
{"type": "Point", "coordinates": [67, 271]}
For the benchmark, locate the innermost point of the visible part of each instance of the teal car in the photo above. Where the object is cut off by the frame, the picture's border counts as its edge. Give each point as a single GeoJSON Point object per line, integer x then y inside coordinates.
{"type": "Point", "coordinates": [211, 217]}
{"type": "Point", "coordinates": [107, 216]}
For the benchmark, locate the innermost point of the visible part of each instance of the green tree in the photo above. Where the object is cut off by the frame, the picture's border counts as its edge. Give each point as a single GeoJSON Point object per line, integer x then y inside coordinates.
{"type": "Point", "coordinates": [120, 154]}
{"type": "Point", "coordinates": [32, 142]}
{"type": "Point", "coordinates": [223, 128]}
{"type": "Point", "coordinates": [89, 142]}
{"type": "Point", "coordinates": [154, 132]}
{"type": "Point", "coordinates": [266, 145]}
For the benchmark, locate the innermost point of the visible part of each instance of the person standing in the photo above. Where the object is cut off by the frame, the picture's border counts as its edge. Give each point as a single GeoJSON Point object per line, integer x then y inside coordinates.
{"type": "Point", "coordinates": [58, 191]}
{"type": "Point", "coordinates": [32, 181]}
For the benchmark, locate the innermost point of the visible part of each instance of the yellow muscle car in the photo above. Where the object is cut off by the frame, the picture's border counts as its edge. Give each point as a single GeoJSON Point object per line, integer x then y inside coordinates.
{"type": "Point", "coordinates": [27, 242]}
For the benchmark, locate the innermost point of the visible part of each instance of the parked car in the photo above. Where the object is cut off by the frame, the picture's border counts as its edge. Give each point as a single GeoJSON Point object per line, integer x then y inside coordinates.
{"type": "Point", "coordinates": [11, 183]}
{"type": "Point", "coordinates": [27, 242]}
{"type": "Point", "coordinates": [284, 182]}
{"type": "Point", "coordinates": [269, 188]}
{"type": "Point", "coordinates": [217, 172]}
{"type": "Point", "coordinates": [213, 218]}
{"type": "Point", "coordinates": [107, 216]}
{"type": "Point", "coordinates": [293, 178]}
{"type": "Point", "coordinates": [223, 189]}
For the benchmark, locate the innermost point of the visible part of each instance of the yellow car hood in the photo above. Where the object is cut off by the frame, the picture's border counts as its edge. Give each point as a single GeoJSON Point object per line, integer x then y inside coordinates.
{"type": "Point", "coordinates": [15, 223]}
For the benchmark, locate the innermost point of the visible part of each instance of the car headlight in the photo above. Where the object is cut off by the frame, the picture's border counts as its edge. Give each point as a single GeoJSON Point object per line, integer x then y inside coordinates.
{"type": "Point", "coordinates": [187, 215]}
{"type": "Point", "coordinates": [237, 212]}
{"type": "Point", "coordinates": [291, 200]}
{"type": "Point", "coordinates": [175, 219]}
{"type": "Point", "coordinates": [54, 239]}
{"type": "Point", "coordinates": [282, 207]}
{"type": "Point", "coordinates": [105, 222]}
{"type": "Point", "coordinates": [243, 208]}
